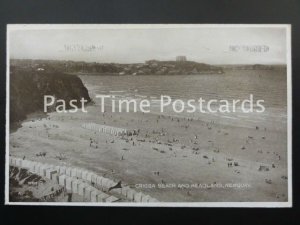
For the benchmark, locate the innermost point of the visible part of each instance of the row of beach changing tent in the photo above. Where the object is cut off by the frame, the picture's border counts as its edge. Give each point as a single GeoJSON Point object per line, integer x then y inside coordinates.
{"type": "Point", "coordinates": [108, 129]}
{"type": "Point", "coordinates": [85, 183]}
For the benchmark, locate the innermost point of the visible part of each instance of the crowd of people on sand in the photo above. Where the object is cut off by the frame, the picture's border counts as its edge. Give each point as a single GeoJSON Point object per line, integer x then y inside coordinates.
{"type": "Point", "coordinates": [93, 143]}
{"type": "Point", "coordinates": [155, 136]}
{"type": "Point", "coordinates": [163, 136]}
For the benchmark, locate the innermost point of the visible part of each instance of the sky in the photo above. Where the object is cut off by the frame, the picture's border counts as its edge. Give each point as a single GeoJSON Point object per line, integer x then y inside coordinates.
{"type": "Point", "coordinates": [217, 45]}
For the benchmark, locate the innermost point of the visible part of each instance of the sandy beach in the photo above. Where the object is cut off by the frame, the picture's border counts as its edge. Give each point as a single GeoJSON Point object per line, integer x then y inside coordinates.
{"type": "Point", "coordinates": [172, 158]}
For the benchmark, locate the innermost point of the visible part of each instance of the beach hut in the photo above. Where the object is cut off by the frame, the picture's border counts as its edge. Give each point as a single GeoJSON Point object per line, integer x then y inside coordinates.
{"type": "Point", "coordinates": [94, 195]}
{"type": "Point", "coordinates": [62, 180]}
{"type": "Point", "coordinates": [130, 194]}
{"type": "Point", "coordinates": [68, 171]}
{"type": "Point", "coordinates": [75, 184]}
{"type": "Point", "coordinates": [87, 192]}
{"type": "Point", "coordinates": [84, 174]}
{"type": "Point", "coordinates": [79, 173]}
{"type": "Point", "coordinates": [137, 197]}
{"type": "Point", "coordinates": [81, 188]}
{"type": "Point", "coordinates": [124, 191]}
{"type": "Point", "coordinates": [69, 183]}
{"type": "Point", "coordinates": [50, 172]}
{"type": "Point", "coordinates": [74, 172]}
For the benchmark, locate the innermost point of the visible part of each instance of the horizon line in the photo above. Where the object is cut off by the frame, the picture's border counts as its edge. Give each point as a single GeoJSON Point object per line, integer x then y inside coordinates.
{"type": "Point", "coordinates": [70, 60]}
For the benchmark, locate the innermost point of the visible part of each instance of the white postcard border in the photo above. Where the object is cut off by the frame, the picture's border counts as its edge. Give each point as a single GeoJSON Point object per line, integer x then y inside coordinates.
{"type": "Point", "coordinates": [11, 27]}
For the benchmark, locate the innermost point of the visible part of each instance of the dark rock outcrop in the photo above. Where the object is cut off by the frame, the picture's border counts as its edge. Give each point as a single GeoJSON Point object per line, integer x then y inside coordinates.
{"type": "Point", "coordinates": [28, 87]}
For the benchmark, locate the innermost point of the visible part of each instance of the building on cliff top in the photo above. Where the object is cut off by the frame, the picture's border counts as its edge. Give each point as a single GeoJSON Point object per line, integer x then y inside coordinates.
{"type": "Point", "coordinates": [181, 58]}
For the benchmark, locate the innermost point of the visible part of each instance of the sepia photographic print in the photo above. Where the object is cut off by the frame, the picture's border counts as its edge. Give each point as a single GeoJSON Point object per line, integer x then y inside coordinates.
{"type": "Point", "coordinates": [149, 115]}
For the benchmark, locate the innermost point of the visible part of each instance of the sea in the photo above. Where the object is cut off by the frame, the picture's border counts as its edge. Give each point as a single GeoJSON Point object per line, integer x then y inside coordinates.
{"type": "Point", "coordinates": [267, 85]}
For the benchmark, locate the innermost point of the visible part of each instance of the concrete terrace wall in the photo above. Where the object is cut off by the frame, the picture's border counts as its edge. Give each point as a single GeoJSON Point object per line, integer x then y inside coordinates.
{"type": "Point", "coordinates": [91, 186]}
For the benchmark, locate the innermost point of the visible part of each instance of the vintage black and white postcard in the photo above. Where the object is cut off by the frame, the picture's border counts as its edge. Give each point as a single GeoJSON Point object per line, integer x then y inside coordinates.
{"type": "Point", "coordinates": [149, 115]}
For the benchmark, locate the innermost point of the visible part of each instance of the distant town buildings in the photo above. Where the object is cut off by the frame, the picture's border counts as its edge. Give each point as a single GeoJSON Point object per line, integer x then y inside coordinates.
{"type": "Point", "coordinates": [151, 67]}
{"type": "Point", "coordinates": [181, 58]}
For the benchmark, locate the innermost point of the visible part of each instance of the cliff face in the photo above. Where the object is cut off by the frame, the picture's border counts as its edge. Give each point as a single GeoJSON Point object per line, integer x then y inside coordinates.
{"type": "Point", "coordinates": [28, 87]}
